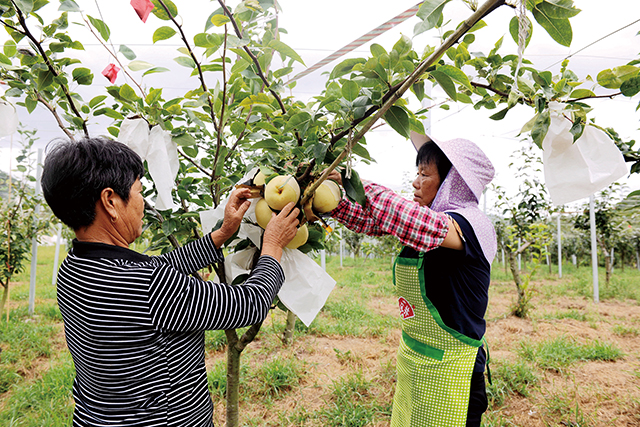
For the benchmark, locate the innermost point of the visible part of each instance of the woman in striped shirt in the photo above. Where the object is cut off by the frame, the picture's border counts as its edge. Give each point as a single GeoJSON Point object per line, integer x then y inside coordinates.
{"type": "Point", "coordinates": [134, 324]}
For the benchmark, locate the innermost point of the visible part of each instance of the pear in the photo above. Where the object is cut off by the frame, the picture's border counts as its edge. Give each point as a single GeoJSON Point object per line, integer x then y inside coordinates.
{"type": "Point", "coordinates": [281, 190]}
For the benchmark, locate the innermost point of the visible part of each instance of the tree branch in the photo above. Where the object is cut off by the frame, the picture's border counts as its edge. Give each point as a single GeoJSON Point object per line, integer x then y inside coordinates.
{"type": "Point", "coordinates": [114, 56]}
{"type": "Point", "coordinates": [50, 66]}
{"type": "Point", "coordinates": [482, 11]}
{"type": "Point", "coordinates": [198, 66]}
{"type": "Point", "coordinates": [56, 116]}
{"type": "Point", "coordinates": [253, 58]}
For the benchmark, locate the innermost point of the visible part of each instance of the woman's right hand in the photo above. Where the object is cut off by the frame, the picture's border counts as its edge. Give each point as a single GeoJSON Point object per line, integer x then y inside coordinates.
{"type": "Point", "coordinates": [280, 231]}
{"type": "Point", "coordinates": [335, 175]}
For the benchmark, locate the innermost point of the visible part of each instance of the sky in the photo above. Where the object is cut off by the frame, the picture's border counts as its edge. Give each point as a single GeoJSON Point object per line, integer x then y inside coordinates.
{"type": "Point", "coordinates": [317, 29]}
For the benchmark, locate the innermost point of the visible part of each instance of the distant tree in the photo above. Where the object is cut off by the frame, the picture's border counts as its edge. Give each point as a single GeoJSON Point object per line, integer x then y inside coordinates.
{"type": "Point", "coordinates": [20, 220]}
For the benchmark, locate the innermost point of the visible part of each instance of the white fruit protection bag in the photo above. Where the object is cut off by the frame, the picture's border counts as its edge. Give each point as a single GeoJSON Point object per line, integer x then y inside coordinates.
{"type": "Point", "coordinates": [306, 286]}
{"type": "Point", "coordinates": [573, 171]}
{"type": "Point", "coordinates": [8, 118]}
{"type": "Point", "coordinates": [161, 153]}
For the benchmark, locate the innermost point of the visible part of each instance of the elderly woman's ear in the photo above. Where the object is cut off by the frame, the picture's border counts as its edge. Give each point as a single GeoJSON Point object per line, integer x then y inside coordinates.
{"type": "Point", "coordinates": [107, 203]}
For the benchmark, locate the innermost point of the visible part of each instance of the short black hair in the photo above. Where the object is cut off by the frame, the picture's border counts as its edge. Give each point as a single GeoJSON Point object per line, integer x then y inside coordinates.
{"type": "Point", "coordinates": [429, 152]}
{"type": "Point", "coordinates": [76, 172]}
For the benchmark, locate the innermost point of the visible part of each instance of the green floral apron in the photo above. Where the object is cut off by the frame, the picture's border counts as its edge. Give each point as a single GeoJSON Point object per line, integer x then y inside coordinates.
{"type": "Point", "coordinates": [435, 362]}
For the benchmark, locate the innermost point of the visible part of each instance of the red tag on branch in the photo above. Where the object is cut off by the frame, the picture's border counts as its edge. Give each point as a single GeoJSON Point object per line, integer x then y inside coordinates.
{"type": "Point", "coordinates": [143, 8]}
{"type": "Point", "coordinates": [111, 72]}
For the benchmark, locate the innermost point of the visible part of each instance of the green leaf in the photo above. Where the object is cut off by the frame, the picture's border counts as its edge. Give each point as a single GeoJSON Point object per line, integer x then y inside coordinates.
{"type": "Point", "coordinates": [4, 59]}
{"type": "Point", "coordinates": [161, 13]}
{"type": "Point", "coordinates": [613, 78]}
{"type": "Point", "coordinates": [127, 92]}
{"type": "Point", "coordinates": [631, 86]}
{"type": "Point", "coordinates": [153, 96]}
{"type": "Point", "coordinates": [163, 33]}
{"type": "Point", "coordinates": [220, 20]}
{"type": "Point", "coordinates": [559, 29]}
{"type": "Point", "coordinates": [83, 76]}
{"type": "Point", "coordinates": [209, 41]}
{"type": "Point", "coordinates": [26, 6]}
{"type": "Point", "coordinates": [128, 53]}
{"type": "Point", "coordinates": [514, 30]}
{"type": "Point", "coordinates": [540, 127]}
{"type": "Point", "coordinates": [456, 74]}
{"type": "Point", "coordinates": [500, 114]}
{"type": "Point", "coordinates": [285, 50]}
{"type": "Point", "coordinates": [156, 70]}
{"type": "Point", "coordinates": [544, 78]}
{"type": "Point", "coordinates": [403, 46]}
{"type": "Point", "coordinates": [350, 90]}
{"type": "Point", "coordinates": [139, 65]}
{"type": "Point", "coordinates": [69, 6]}
{"type": "Point", "coordinates": [559, 9]}
{"type": "Point", "coordinates": [345, 67]}
{"type": "Point", "coordinates": [30, 103]}
{"type": "Point", "coordinates": [266, 144]}
{"type": "Point", "coordinates": [431, 13]}
{"type": "Point", "coordinates": [418, 89]}
{"type": "Point", "coordinates": [185, 61]}
{"type": "Point", "coordinates": [353, 187]}
{"type": "Point", "coordinates": [299, 121]}
{"type": "Point", "coordinates": [10, 48]}
{"type": "Point", "coordinates": [97, 100]}
{"type": "Point", "coordinates": [102, 28]}
{"type": "Point", "coordinates": [446, 83]}
{"type": "Point", "coordinates": [582, 93]}
{"type": "Point", "coordinates": [184, 140]}
{"type": "Point", "coordinates": [45, 78]}
{"type": "Point", "coordinates": [398, 119]}
{"type": "Point", "coordinates": [577, 129]}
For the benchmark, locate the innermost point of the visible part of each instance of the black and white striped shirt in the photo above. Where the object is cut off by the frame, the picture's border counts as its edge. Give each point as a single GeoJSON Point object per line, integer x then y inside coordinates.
{"type": "Point", "coordinates": [135, 326]}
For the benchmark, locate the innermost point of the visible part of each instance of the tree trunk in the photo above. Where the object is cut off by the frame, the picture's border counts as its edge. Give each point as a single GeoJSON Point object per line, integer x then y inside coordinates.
{"type": "Point", "coordinates": [513, 266]}
{"type": "Point", "coordinates": [5, 298]}
{"type": "Point", "coordinates": [235, 347]}
{"type": "Point", "coordinates": [287, 336]}
{"type": "Point", "coordinates": [520, 308]}
{"type": "Point", "coordinates": [607, 263]}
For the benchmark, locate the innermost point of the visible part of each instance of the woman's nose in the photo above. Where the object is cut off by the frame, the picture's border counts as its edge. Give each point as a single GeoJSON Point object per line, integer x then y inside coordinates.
{"type": "Point", "coordinates": [416, 183]}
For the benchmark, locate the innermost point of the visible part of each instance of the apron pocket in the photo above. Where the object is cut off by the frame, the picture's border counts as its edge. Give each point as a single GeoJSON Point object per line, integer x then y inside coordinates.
{"type": "Point", "coordinates": [422, 348]}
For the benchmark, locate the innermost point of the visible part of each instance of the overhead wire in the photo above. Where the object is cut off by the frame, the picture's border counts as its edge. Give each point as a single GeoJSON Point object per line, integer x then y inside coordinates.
{"type": "Point", "coordinates": [591, 44]}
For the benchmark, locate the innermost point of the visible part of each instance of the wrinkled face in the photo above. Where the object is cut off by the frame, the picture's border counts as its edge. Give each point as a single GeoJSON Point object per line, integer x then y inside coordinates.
{"type": "Point", "coordinates": [426, 184]}
{"type": "Point", "coordinates": [133, 213]}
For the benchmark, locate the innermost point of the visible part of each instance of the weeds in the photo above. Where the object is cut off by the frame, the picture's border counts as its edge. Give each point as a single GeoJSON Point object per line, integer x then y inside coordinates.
{"type": "Point", "coordinates": [508, 379]}
{"type": "Point", "coordinates": [559, 353]}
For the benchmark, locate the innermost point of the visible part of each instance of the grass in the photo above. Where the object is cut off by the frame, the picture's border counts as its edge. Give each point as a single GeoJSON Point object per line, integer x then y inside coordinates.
{"type": "Point", "coordinates": [508, 379]}
{"type": "Point", "coordinates": [560, 353]}
{"type": "Point", "coordinates": [36, 370]}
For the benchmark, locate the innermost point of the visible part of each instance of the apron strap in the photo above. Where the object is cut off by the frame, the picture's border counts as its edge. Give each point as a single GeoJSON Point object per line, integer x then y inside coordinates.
{"type": "Point", "coordinates": [486, 351]}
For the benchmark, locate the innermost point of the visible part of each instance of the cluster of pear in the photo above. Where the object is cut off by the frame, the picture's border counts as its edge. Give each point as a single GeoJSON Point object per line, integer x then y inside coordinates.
{"type": "Point", "coordinates": [283, 189]}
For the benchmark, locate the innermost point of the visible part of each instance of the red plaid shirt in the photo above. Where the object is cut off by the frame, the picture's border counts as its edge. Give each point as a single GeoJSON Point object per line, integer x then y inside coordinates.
{"type": "Point", "coordinates": [386, 212]}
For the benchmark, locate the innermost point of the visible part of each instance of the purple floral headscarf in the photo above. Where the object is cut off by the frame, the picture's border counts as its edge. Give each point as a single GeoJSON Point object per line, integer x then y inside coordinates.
{"type": "Point", "coordinates": [471, 171]}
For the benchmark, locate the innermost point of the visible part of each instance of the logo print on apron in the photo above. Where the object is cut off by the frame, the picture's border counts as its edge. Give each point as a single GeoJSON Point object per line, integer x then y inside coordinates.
{"type": "Point", "coordinates": [406, 309]}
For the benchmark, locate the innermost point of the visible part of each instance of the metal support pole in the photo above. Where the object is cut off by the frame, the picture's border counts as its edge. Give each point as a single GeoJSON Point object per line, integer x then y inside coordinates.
{"type": "Point", "coordinates": [559, 248]}
{"type": "Point", "coordinates": [34, 241]}
{"type": "Point", "coordinates": [341, 247]}
{"type": "Point", "coordinates": [323, 259]}
{"type": "Point", "coordinates": [594, 249]}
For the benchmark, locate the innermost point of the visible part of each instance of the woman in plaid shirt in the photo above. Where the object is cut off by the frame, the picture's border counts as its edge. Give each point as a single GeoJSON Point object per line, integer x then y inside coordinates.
{"type": "Point", "coordinates": [442, 279]}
